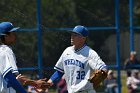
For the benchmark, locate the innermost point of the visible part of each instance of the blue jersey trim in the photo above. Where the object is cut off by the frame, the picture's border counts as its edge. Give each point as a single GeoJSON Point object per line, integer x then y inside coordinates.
{"type": "Point", "coordinates": [59, 69]}
{"type": "Point", "coordinates": [101, 66]}
{"type": "Point", "coordinates": [15, 71]}
{"type": "Point", "coordinates": [105, 67]}
{"type": "Point", "coordinates": [9, 69]}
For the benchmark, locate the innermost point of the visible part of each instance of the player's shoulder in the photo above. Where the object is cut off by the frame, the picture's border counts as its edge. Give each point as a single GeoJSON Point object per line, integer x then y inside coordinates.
{"type": "Point", "coordinates": [91, 51]}
{"type": "Point", "coordinates": [5, 48]}
{"type": "Point", "coordinates": [70, 48]}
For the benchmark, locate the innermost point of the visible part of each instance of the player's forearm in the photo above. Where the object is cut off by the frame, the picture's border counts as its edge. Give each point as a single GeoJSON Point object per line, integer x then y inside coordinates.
{"type": "Point", "coordinates": [56, 77]}
{"type": "Point", "coordinates": [12, 82]}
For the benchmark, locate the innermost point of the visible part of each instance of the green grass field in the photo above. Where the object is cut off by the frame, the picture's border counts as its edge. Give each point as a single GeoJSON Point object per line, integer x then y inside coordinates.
{"type": "Point", "coordinates": [123, 81]}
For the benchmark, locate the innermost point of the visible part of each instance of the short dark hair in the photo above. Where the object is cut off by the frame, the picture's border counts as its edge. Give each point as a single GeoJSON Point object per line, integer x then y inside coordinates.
{"type": "Point", "coordinates": [2, 38]}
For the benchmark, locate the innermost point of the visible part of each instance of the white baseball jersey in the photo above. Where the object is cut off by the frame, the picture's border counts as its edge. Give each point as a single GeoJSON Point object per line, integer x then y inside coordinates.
{"type": "Point", "coordinates": [7, 63]}
{"type": "Point", "coordinates": [77, 66]}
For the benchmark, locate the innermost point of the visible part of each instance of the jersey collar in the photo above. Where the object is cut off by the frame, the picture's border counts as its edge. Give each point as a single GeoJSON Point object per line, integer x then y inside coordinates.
{"type": "Point", "coordinates": [80, 48]}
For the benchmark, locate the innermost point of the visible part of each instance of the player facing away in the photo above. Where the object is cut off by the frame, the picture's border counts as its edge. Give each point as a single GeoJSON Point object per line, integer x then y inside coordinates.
{"type": "Point", "coordinates": [8, 68]}
{"type": "Point", "coordinates": [77, 62]}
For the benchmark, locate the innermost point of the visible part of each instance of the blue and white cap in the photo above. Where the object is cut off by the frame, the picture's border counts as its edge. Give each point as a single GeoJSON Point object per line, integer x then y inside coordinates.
{"type": "Point", "coordinates": [7, 27]}
{"type": "Point", "coordinates": [83, 31]}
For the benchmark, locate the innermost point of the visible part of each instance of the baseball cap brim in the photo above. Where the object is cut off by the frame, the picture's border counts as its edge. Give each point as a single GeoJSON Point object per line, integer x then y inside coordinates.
{"type": "Point", "coordinates": [71, 31]}
{"type": "Point", "coordinates": [14, 29]}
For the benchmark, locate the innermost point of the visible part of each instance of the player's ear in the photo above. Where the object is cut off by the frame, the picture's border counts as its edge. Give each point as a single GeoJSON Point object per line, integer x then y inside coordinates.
{"type": "Point", "coordinates": [6, 36]}
{"type": "Point", "coordinates": [84, 38]}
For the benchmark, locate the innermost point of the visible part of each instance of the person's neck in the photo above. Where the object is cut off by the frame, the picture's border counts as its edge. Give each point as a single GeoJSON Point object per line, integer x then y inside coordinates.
{"type": "Point", "coordinates": [78, 46]}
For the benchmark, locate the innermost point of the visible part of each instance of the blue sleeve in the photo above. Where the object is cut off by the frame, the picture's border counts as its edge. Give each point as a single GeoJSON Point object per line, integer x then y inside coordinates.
{"type": "Point", "coordinates": [13, 82]}
{"type": "Point", "coordinates": [56, 76]}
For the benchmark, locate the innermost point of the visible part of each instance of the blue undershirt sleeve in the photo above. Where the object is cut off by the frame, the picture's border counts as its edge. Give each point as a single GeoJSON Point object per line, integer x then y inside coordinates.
{"type": "Point", "coordinates": [14, 83]}
{"type": "Point", "coordinates": [56, 76]}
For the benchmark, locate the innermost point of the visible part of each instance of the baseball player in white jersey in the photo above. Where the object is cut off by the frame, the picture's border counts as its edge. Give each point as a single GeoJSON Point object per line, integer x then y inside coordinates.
{"type": "Point", "coordinates": [77, 62]}
{"type": "Point", "coordinates": [8, 81]}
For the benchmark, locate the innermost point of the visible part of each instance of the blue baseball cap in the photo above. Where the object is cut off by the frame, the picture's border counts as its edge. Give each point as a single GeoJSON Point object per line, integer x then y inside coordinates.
{"type": "Point", "coordinates": [81, 30]}
{"type": "Point", "coordinates": [7, 27]}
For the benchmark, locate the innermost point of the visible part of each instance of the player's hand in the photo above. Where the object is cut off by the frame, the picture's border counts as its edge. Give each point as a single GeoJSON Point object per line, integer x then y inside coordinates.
{"type": "Point", "coordinates": [24, 80]}
{"type": "Point", "coordinates": [97, 77]}
{"type": "Point", "coordinates": [42, 84]}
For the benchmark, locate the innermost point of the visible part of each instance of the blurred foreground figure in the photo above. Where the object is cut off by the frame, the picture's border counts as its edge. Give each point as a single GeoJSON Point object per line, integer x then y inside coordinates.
{"type": "Point", "coordinates": [132, 61]}
{"type": "Point", "coordinates": [111, 83]}
{"type": "Point", "coordinates": [62, 86]}
{"type": "Point", "coordinates": [133, 82]}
